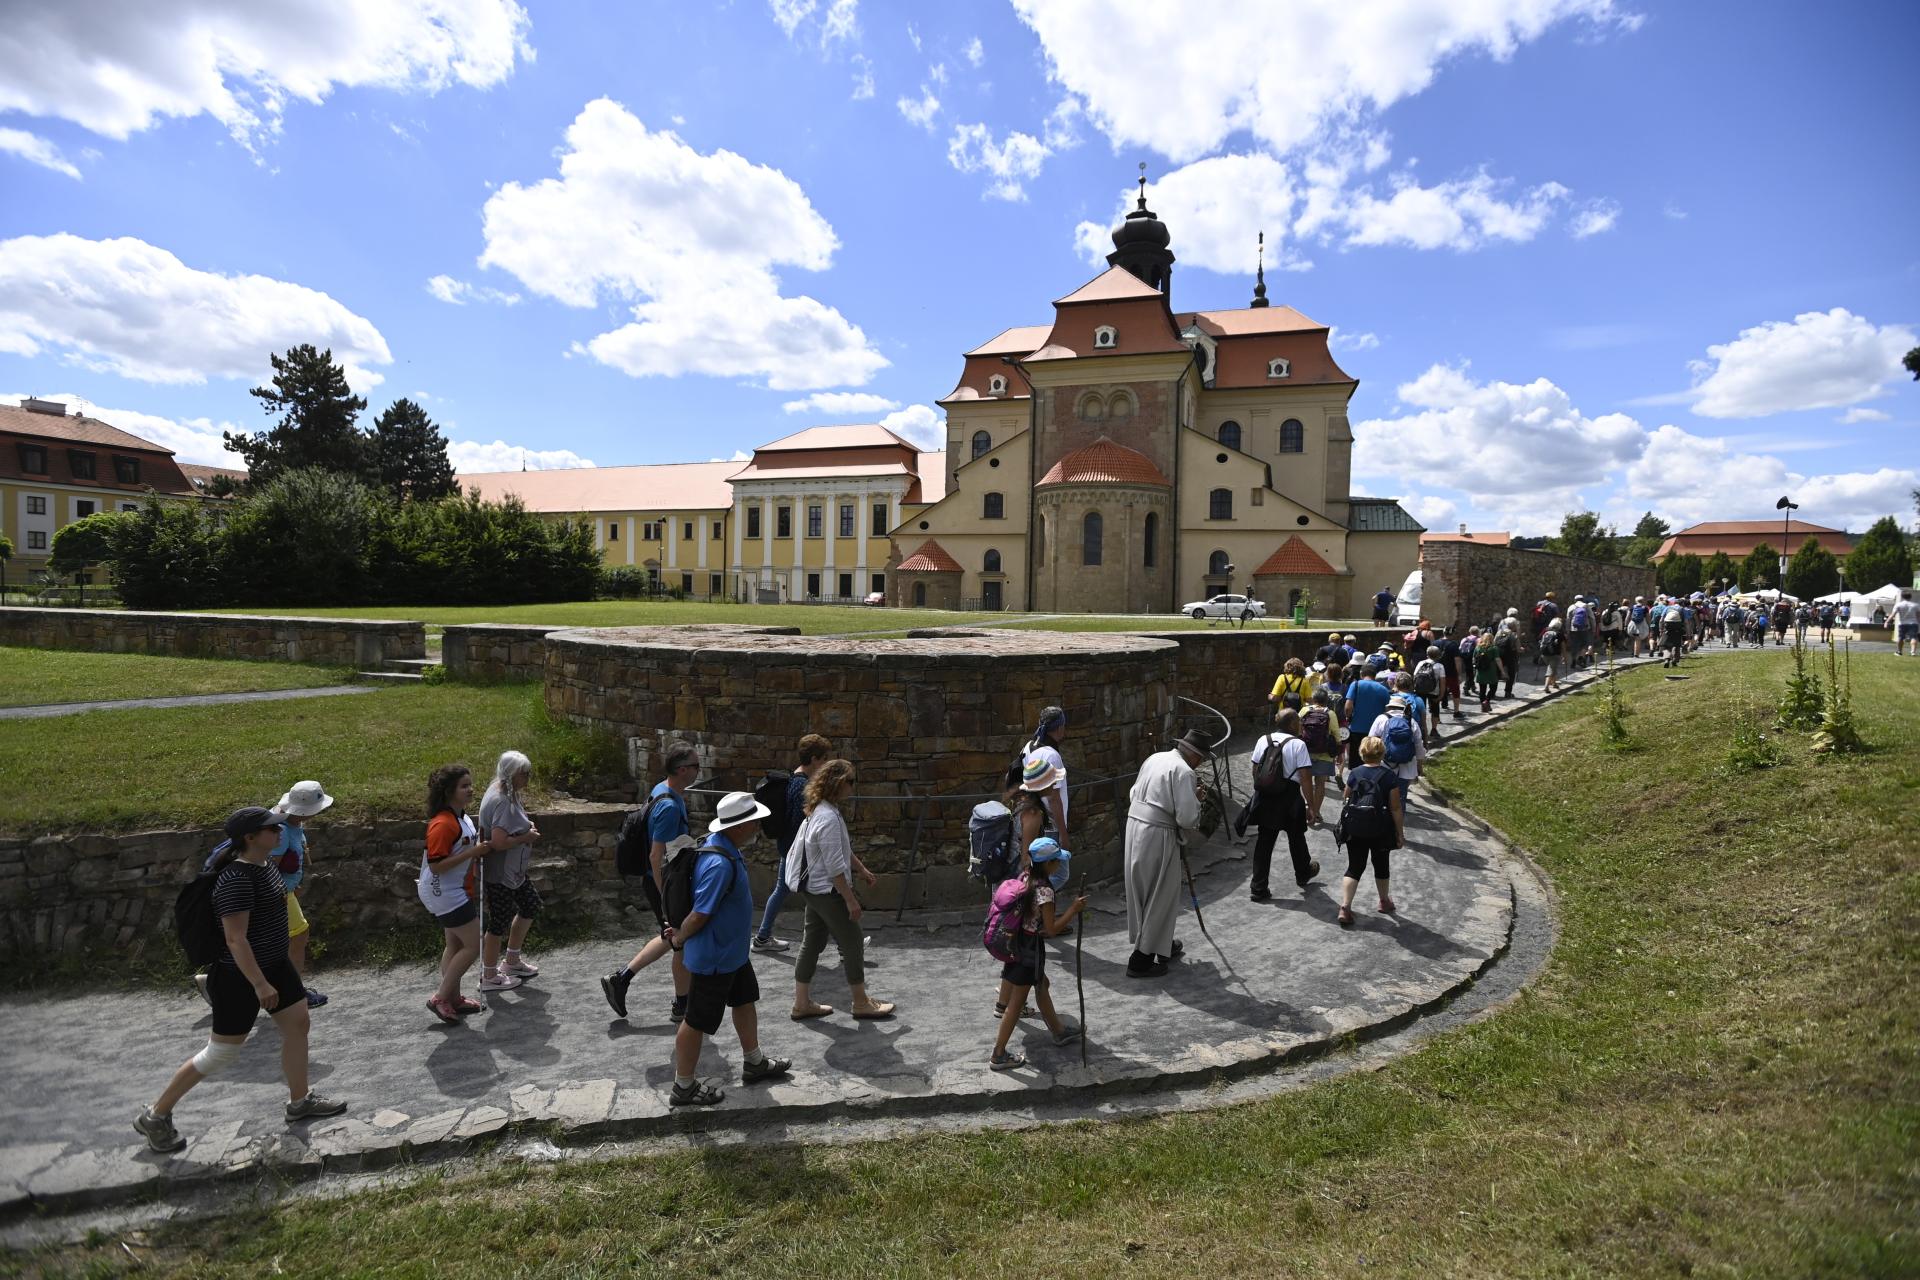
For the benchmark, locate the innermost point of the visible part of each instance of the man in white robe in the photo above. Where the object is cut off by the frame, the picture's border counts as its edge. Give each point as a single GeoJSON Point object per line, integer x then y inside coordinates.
{"type": "Point", "coordinates": [1165, 806]}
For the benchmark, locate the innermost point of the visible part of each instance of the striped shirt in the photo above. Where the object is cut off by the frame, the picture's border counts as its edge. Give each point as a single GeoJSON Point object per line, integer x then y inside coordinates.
{"type": "Point", "coordinates": [262, 894]}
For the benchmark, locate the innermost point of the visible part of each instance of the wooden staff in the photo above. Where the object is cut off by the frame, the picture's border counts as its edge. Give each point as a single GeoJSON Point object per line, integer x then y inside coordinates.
{"type": "Point", "coordinates": [1079, 966]}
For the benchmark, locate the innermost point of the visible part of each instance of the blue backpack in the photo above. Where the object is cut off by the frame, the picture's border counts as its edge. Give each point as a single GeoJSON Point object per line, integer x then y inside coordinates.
{"type": "Point", "coordinates": [1399, 739]}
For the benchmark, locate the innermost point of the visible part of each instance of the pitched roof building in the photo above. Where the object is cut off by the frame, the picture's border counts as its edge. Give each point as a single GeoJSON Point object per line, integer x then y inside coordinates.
{"type": "Point", "coordinates": [1738, 538]}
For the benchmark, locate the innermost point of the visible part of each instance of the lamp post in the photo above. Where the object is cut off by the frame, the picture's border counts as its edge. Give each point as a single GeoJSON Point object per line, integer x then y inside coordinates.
{"type": "Point", "coordinates": [1786, 508]}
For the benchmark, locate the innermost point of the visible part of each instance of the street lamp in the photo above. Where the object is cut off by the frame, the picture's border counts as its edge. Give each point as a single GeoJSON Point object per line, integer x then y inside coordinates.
{"type": "Point", "coordinates": [1786, 509]}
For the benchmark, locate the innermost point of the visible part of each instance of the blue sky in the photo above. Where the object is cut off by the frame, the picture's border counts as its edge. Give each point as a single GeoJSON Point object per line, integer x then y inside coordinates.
{"type": "Point", "coordinates": [1578, 252]}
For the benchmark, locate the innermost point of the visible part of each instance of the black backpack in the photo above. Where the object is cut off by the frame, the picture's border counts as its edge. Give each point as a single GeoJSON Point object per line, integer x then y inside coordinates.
{"type": "Point", "coordinates": [772, 792]}
{"type": "Point", "coordinates": [1270, 777]}
{"type": "Point", "coordinates": [633, 847]}
{"type": "Point", "coordinates": [676, 899]}
{"type": "Point", "coordinates": [195, 923]}
{"type": "Point", "coordinates": [1367, 815]}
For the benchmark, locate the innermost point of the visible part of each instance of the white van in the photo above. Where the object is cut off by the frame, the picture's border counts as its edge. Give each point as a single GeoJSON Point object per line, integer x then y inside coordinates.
{"type": "Point", "coordinates": [1406, 607]}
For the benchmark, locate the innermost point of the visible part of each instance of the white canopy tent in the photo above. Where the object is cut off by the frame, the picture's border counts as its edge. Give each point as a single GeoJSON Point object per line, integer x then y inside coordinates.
{"type": "Point", "coordinates": [1865, 605]}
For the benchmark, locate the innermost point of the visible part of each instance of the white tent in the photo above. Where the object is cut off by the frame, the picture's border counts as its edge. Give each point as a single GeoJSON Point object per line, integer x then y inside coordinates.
{"type": "Point", "coordinates": [1864, 606]}
{"type": "Point", "coordinates": [1854, 598]}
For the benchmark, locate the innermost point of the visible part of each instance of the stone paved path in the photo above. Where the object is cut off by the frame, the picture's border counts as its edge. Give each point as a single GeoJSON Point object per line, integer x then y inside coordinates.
{"type": "Point", "coordinates": [1277, 982]}
{"type": "Point", "coordinates": [186, 700]}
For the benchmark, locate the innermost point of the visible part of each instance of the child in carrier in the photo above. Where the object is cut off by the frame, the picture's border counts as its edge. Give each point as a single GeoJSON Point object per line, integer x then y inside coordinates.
{"type": "Point", "coordinates": [1021, 915]}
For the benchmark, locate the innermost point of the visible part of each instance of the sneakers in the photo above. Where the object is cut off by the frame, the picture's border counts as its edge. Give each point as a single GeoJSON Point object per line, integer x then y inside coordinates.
{"type": "Point", "coordinates": [315, 999]}
{"type": "Point", "coordinates": [770, 943]}
{"type": "Point", "coordinates": [519, 967]}
{"type": "Point", "coordinates": [614, 988]}
{"type": "Point", "coordinates": [313, 1106]}
{"type": "Point", "coordinates": [1313, 869]}
{"type": "Point", "coordinates": [766, 1069]}
{"type": "Point", "coordinates": [159, 1132]}
{"type": "Point", "coordinates": [678, 1013]}
{"type": "Point", "coordinates": [499, 980]}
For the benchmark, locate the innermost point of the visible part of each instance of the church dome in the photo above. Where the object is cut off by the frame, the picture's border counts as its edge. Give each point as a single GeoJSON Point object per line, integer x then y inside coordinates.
{"type": "Point", "coordinates": [1142, 229]}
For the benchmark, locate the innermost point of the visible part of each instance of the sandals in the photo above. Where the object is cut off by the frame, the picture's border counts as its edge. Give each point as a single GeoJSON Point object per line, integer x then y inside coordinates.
{"type": "Point", "coordinates": [1026, 1011]}
{"type": "Point", "coordinates": [442, 1009]}
{"type": "Point", "coordinates": [700, 1094]}
{"type": "Point", "coordinates": [1006, 1061]}
{"type": "Point", "coordinates": [882, 1009]}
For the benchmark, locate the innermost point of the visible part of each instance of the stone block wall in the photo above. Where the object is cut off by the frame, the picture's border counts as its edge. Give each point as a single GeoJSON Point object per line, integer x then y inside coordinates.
{"type": "Point", "coordinates": [1232, 670]}
{"type": "Point", "coordinates": [68, 893]}
{"type": "Point", "coordinates": [328, 642]}
{"type": "Point", "coordinates": [930, 725]}
{"type": "Point", "coordinates": [489, 651]}
{"type": "Point", "coordinates": [1464, 584]}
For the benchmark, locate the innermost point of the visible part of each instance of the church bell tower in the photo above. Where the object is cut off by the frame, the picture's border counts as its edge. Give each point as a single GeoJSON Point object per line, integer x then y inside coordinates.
{"type": "Point", "coordinates": [1140, 244]}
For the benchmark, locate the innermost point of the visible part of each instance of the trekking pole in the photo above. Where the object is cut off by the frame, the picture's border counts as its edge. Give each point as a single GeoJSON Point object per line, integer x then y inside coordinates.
{"type": "Point", "coordinates": [913, 856]}
{"type": "Point", "coordinates": [1079, 967]}
{"type": "Point", "coordinates": [1193, 895]}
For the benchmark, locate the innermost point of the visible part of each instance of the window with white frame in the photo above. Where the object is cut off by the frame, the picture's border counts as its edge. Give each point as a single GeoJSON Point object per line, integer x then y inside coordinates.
{"type": "Point", "coordinates": [879, 520]}
{"type": "Point", "coordinates": [1278, 368]}
{"type": "Point", "coordinates": [997, 385]}
{"type": "Point", "coordinates": [36, 506]}
{"type": "Point", "coordinates": [846, 523]}
{"type": "Point", "coordinates": [36, 539]}
{"type": "Point", "coordinates": [815, 521]}
{"type": "Point", "coordinates": [1104, 336]}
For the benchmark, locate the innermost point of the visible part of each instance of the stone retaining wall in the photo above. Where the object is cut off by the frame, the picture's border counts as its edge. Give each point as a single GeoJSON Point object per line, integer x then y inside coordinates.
{"type": "Point", "coordinates": [1464, 584]}
{"type": "Point", "coordinates": [930, 725]}
{"type": "Point", "coordinates": [328, 642]}
{"type": "Point", "coordinates": [64, 894]}
{"type": "Point", "coordinates": [493, 651]}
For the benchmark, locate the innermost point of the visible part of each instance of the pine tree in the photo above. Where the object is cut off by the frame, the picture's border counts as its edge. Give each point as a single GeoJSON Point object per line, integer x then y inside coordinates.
{"type": "Point", "coordinates": [412, 454]}
{"type": "Point", "coordinates": [317, 424]}
{"type": "Point", "coordinates": [1880, 557]}
{"type": "Point", "coordinates": [1679, 574]}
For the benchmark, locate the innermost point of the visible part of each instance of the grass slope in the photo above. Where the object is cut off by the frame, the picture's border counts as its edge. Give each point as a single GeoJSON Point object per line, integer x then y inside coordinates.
{"type": "Point", "coordinates": [35, 677]}
{"type": "Point", "coordinates": [1714, 1076]}
{"type": "Point", "coordinates": [125, 770]}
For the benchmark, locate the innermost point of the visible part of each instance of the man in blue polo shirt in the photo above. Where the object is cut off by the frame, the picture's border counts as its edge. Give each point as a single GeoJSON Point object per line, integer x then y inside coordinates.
{"type": "Point", "coordinates": [715, 940]}
{"type": "Point", "coordinates": [1366, 702]}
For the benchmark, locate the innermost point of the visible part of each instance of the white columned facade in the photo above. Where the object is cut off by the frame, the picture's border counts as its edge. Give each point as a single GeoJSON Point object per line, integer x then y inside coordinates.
{"type": "Point", "coordinates": [673, 548]}
{"type": "Point", "coordinates": [599, 535]}
{"type": "Point", "coordinates": [797, 503]}
{"type": "Point", "coordinates": [863, 517]}
{"type": "Point", "coordinates": [830, 521]}
{"type": "Point", "coordinates": [766, 540]}
{"type": "Point", "coordinates": [739, 524]}
{"type": "Point", "coordinates": [629, 539]}
{"type": "Point", "coordinates": [700, 529]}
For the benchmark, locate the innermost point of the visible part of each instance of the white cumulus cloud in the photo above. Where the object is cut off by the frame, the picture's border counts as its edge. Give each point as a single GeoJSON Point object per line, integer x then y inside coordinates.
{"type": "Point", "coordinates": [862, 77]}
{"type": "Point", "coordinates": [1708, 477]}
{"type": "Point", "coordinates": [1817, 360]}
{"type": "Point", "coordinates": [1853, 416]}
{"type": "Point", "coordinates": [833, 403]}
{"type": "Point", "coordinates": [1008, 163]}
{"type": "Point", "coordinates": [460, 293]}
{"type": "Point", "coordinates": [126, 307]}
{"type": "Point", "coordinates": [921, 110]}
{"type": "Point", "coordinates": [976, 52]}
{"type": "Point", "coordinates": [1280, 73]}
{"type": "Point", "coordinates": [1216, 208]}
{"type": "Point", "coordinates": [638, 217]}
{"type": "Point", "coordinates": [919, 424]}
{"type": "Point", "coordinates": [471, 456]}
{"type": "Point", "coordinates": [35, 149]}
{"type": "Point", "coordinates": [1351, 341]}
{"type": "Point", "coordinates": [1595, 218]}
{"type": "Point", "coordinates": [1461, 214]}
{"type": "Point", "coordinates": [115, 68]}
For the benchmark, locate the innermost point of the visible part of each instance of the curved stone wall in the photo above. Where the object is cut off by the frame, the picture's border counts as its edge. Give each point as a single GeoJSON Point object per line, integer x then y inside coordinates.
{"type": "Point", "coordinates": [929, 723]}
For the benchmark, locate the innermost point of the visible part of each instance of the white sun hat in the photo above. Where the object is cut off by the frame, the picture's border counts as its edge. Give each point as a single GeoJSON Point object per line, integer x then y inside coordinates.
{"type": "Point", "coordinates": [304, 799]}
{"type": "Point", "coordinates": [736, 808]}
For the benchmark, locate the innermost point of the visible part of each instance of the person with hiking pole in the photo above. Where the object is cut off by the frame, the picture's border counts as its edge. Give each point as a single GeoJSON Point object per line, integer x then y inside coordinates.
{"type": "Point", "coordinates": [1163, 805]}
{"type": "Point", "coordinates": [1046, 878]}
{"type": "Point", "coordinates": [253, 973]}
{"type": "Point", "coordinates": [665, 817]}
{"type": "Point", "coordinates": [449, 885]}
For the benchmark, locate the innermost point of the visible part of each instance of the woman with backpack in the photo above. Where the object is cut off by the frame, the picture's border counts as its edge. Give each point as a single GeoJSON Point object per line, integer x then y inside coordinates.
{"type": "Point", "coordinates": [1293, 685]}
{"type": "Point", "coordinates": [820, 866]}
{"type": "Point", "coordinates": [1486, 669]}
{"type": "Point", "coordinates": [448, 885]}
{"type": "Point", "coordinates": [1373, 823]}
{"type": "Point", "coordinates": [1023, 913]}
{"type": "Point", "coordinates": [1320, 730]}
{"type": "Point", "coordinates": [1551, 644]}
{"type": "Point", "coordinates": [253, 972]}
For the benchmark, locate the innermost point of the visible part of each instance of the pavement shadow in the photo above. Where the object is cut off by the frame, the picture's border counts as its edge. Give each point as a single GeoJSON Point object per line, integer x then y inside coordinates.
{"type": "Point", "coordinates": [519, 1025]}
{"type": "Point", "coordinates": [1415, 937]}
{"type": "Point", "coordinates": [462, 1064]}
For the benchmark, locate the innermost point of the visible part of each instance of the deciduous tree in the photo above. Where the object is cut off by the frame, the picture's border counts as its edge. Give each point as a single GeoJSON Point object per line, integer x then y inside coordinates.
{"type": "Point", "coordinates": [1719, 570]}
{"type": "Point", "coordinates": [1760, 569]}
{"type": "Point", "coordinates": [1581, 535]}
{"type": "Point", "coordinates": [1880, 557]}
{"type": "Point", "coordinates": [1813, 571]}
{"type": "Point", "coordinates": [1648, 534]}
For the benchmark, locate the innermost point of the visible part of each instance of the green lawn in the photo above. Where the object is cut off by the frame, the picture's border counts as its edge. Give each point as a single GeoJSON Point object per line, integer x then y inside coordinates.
{"type": "Point", "coordinates": [1714, 1076]}
{"type": "Point", "coordinates": [35, 677]}
{"type": "Point", "coordinates": [812, 619]}
{"type": "Point", "coordinates": [128, 770]}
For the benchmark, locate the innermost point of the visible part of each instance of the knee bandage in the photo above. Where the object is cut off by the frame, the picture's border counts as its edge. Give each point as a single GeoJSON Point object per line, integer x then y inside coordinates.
{"type": "Point", "coordinates": [214, 1057]}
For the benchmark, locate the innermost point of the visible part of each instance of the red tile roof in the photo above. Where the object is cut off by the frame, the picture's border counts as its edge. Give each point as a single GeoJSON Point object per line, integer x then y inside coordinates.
{"type": "Point", "coordinates": [870, 435]}
{"type": "Point", "coordinates": [1104, 462]}
{"type": "Point", "coordinates": [930, 558]}
{"type": "Point", "coordinates": [1496, 538]}
{"type": "Point", "coordinates": [1739, 537]}
{"type": "Point", "coordinates": [75, 428]}
{"type": "Point", "coordinates": [1296, 558]}
{"type": "Point", "coordinates": [1246, 320]}
{"type": "Point", "coordinates": [1111, 285]}
{"type": "Point", "coordinates": [1017, 341]}
{"type": "Point", "coordinates": [668, 486]}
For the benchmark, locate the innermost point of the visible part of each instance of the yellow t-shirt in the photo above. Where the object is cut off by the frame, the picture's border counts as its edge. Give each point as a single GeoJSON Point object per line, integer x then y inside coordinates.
{"type": "Point", "coordinates": [1302, 685]}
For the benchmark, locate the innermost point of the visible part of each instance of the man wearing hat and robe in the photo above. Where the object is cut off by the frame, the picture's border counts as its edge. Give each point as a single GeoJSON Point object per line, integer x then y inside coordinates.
{"type": "Point", "coordinates": [1165, 804]}
{"type": "Point", "coordinates": [714, 940]}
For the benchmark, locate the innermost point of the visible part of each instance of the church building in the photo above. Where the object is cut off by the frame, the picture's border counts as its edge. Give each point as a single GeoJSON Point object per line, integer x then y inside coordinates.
{"type": "Point", "coordinates": [1128, 458]}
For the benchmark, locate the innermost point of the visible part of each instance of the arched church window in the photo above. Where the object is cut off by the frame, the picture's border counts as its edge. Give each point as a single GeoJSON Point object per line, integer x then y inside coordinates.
{"type": "Point", "coordinates": [1293, 436]}
{"type": "Point", "coordinates": [1217, 565]}
{"type": "Point", "coordinates": [991, 564]}
{"type": "Point", "coordinates": [1220, 504]}
{"type": "Point", "coordinates": [1230, 434]}
{"type": "Point", "coordinates": [982, 442]}
{"type": "Point", "coordinates": [1149, 552]}
{"type": "Point", "coordinates": [1121, 406]}
{"type": "Point", "coordinates": [1090, 538]}
{"type": "Point", "coordinates": [1093, 408]}
{"type": "Point", "coordinates": [995, 507]}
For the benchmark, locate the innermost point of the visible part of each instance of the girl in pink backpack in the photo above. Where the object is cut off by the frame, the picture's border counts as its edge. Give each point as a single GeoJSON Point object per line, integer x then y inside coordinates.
{"type": "Point", "coordinates": [1021, 915]}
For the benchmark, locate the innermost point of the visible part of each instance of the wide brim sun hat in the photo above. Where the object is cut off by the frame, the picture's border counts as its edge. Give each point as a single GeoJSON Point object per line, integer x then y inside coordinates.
{"type": "Point", "coordinates": [736, 809]}
{"type": "Point", "coordinates": [304, 799]}
{"type": "Point", "coordinates": [1037, 773]}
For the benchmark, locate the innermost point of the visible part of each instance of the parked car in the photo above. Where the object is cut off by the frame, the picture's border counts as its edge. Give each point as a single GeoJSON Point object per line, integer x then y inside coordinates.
{"type": "Point", "coordinates": [1406, 607]}
{"type": "Point", "coordinates": [875, 598]}
{"type": "Point", "coordinates": [1225, 607]}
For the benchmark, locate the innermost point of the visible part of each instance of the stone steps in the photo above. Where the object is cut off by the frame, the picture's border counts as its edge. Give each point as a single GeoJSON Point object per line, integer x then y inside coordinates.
{"type": "Point", "coordinates": [389, 677]}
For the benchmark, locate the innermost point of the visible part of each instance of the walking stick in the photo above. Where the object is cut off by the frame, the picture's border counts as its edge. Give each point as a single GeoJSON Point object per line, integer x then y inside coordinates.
{"type": "Point", "coordinates": [1079, 967]}
{"type": "Point", "coordinates": [1193, 894]}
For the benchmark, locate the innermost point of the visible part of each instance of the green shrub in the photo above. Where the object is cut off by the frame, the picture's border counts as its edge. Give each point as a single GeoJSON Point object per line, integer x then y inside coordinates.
{"type": "Point", "coordinates": [300, 539]}
{"type": "Point", "coordinates": [1752, 746]}
{"type": "Point", "coordinates": [167, 555]}
{"type": "Point", "coordinates": [1803, 703]}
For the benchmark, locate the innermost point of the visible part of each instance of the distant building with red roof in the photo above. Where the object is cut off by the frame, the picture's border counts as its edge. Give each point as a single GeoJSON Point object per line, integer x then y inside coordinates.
{"type": "Point", "coordinates": [1738, 538]}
